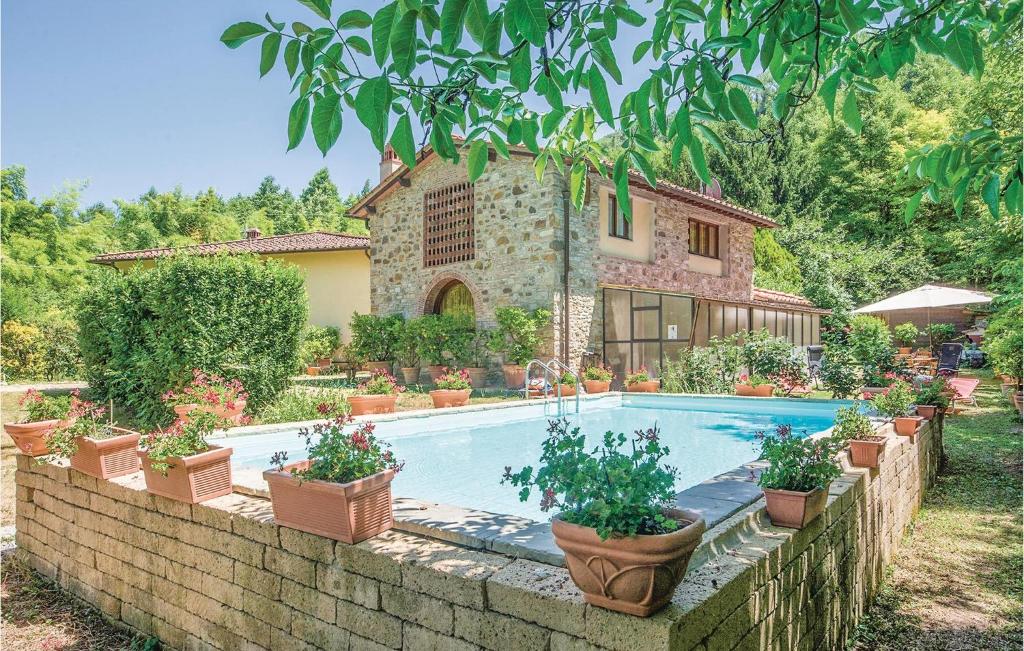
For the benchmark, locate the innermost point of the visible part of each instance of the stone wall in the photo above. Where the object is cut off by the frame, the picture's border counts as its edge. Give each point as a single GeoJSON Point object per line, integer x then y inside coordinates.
{"type": "Point", "coordinates": [222, 575]}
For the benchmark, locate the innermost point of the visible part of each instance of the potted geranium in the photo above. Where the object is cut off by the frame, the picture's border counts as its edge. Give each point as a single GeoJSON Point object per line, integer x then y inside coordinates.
{"type": "Point", "coordinates": [931, 398]}
{"type": "Point", "coordinates": [452, 389]}
{"type": "Point", "coordinates": [905, 335]}
{"type": "Point", "coordinates": [597, 379]}
{"type": "Point", "coordinates": [209, 392]}
{"type": "Point", "coordinates": [876, 381]}
{"type": "Point", "coordinates": [799, 471]}
{"type": "Point", "coordinates": [375, 339]}
{"type": "Point", "coordinates": [855, 428]}
{"type": "Point", "coordinates": [44, 414]}
{"type": "Point", "coordinates": [95, 447]}
{"type": "Point", "coordinates": [894, 403]}
{"type": "Point", "coordinates": [342, 490]}
{"type": "Point", "coordinates": [518, 338]}
{"type": "Point", "coordinates": [566, 386]}
{"type": "Point", "coordinates": [408, 351]}
{"type": "Point", "coordinates": [754, 385]}
{"type": "Point", "coordinates": [179, 464]}
{"type": "Point", "coordinates": [626, 546]}
{"type": "Point", "coordinates": [639, 381]}
{"type": "Point", "coordinates": [377, 395]}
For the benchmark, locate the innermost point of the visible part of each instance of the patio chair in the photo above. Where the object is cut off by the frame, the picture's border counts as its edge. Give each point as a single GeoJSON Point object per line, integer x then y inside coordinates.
{"type": "Point", "coordinates": [949, 359]}
{"type": "Point", "coordinates": [963, 391]}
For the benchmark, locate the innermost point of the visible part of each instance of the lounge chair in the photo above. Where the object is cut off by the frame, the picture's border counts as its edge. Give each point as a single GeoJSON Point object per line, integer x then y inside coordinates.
{"type": "Point", "coordinates": [949, 359]}
{"type": "Point", "coordinates": [963, 391]}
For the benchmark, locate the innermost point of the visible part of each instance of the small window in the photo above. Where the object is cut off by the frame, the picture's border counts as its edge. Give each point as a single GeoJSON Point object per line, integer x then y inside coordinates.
{"type": "Point", "coordinates": [618, 225]}
{"type": "Point", "coordinates": [703, 239]}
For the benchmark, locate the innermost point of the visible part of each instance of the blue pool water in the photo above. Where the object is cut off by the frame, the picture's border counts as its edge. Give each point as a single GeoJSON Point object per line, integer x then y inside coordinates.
{"type": "Point", "coordinates": [459, 458]}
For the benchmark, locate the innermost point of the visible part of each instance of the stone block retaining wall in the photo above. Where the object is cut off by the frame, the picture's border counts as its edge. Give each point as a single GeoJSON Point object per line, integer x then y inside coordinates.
{"type": "Point", "coordinates": [222, 575]}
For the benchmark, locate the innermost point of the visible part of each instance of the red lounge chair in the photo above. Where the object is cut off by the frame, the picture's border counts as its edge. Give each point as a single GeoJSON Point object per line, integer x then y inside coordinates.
{"type": "Point", "coordinates": [964, 388]}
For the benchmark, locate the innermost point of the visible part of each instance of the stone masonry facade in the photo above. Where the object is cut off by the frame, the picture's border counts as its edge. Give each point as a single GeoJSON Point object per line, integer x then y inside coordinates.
{"type": "Point", "coordinates": [519, 225]}
{"type": "Point", "coordinates": [222, 575]}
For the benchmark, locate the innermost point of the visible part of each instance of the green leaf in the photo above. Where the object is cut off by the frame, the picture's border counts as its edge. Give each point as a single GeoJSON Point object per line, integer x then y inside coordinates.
{"type": "Point", "coordinates": [741, 108]}
{"type": "Point", "coordinates": [499, 145]}
{"type": "Point", "coordinates": [990, 194]}
{"type": "Point", "coordinates": [577, 183]}
{"type": "Point", "coordinates": [477, 19]}
{"type": "Point", "coordinates": [372, 103]}
{"type": "Point", "coordinates": [851, 112]}
{"type": "Point", "coordinates": [453, 18]}
{"type": "Point", "coordinates": [697, 161]}
{"type": "Point", "coordinates": [321, 8]}
{"type": "Point", "coordinates": [268, 52]}
{"type": "Point", "coordinates": [606, 58]}
{"type": "Point", "coordinates": [239, 33]}
{"type": "Point", "coordinates": [298, 116]}
{"type": "Point", "coordinates": [747, 80]}
{"type": "Point", "coordinates": [291, 56]}
{"type": "Point", "coordinates": [682, 125]}
{"type": "Point", "coordinates": [531, 17]}
{"type": "Point", "coordinates": [403, 43]}
{"type": "Point", "coordinates": [911, 209]}
{"type": "Point", "coordinates": [477, 160]}
{"type": "Point", "coordinates": [851, 19]}
{"type": "Point", "coordinates": [359, 44]}
{"type": "Point", "coordinates": [276, 25]}
{"type": "Point", "coordinates": [354, 19]}
{"type": "Point", "coordinates": [326, 121]}
{"type": "Point", "coordinates": [380, 33]}
{"type": "Point", "coordinates": [641, 161]}
{"type": "Point", "coordinates": [301, 28]}
{"type": "Point", "coordinates": [520, 69]}
{"type": "Point", "coordinates": [724, 41]}
{"type": "Point", "coordinates": [599, 95]}
{"type": "Point", "coordinates": [641, 50]}
{"type": "Point", "coordinates": [402, 141]}
{"type": "Point", "coordinates": [711, 137]}
{"type": "Point", "coordinates": [620, 175]}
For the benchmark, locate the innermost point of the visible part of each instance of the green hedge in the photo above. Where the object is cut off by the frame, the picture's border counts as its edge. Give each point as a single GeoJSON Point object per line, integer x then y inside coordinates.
{"type": "Point", "coordinates": [142, 332]}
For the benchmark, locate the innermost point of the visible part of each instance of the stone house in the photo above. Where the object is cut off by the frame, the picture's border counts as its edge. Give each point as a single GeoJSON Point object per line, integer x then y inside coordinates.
{"type": "Point", "coordinates": [628, 293]}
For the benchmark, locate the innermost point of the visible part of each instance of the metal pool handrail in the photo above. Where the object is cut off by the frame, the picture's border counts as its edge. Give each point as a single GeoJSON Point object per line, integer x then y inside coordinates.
{"type": "Point", "coordinates": [579, 386]}
{"type": "Point", "coordinates": [557, 384]}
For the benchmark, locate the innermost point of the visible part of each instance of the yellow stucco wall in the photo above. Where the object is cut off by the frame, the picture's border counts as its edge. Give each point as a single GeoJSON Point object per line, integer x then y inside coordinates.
{"type": "Point", "coordinates": [337, 283]}
{"type": "Point", "coordinates": [641, 247]}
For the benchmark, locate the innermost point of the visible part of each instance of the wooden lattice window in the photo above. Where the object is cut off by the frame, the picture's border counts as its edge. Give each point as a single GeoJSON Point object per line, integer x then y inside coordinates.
{"type": "Point", "coordinates": [448, 225]}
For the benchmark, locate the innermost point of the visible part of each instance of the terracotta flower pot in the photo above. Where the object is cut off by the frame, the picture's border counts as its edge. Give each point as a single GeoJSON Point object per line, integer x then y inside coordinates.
{"type": "Point", "coordinates": [450, 397]}
{"type": "Point", "coordinates": [376, 404]}
{"type": "Point", "coordinates": [764, 390]}
{"type": "Point", "coordinates": [411, 374]}
{"type": "Point", "coordinates": [794, 509]}
{"type": "Point", "coordinates": [636, 575]}
{"type": "Point", "coordinates": [31, 437]}
{"type": "Point", "coordinates": [192, 479]}
{"type": "Point", "coordinates": [650, 386]}
{"type": "Point", "coordinates": [1018, 400]}
{"type": "Point", "coordinates": [744, 389]}
{"type": "Point", "coordinates": [324, 362]}
{"type": "Point", "coordinates": [907, 425]}
{"type": "Point", "coordinates": [107, 458]}
{"type": "Point", "coordinates": [568, 390]}
{"type": "Point", "coordinates": [906, 350]}
{"type": "Point", "coordinates": [515, 376]}
{"type": "Point", "coordinates": [926, 411]}
{"type": "Point", "coordinates": [435, 371]}
{"type": "Point", "coordinates": [312, 370]}
{"type": "Point", "coordinates": [349, 512]}
{"type": "Point", "coordinates": [234, 414]}
{"type": "Point", "coordinates": [597, 386]}
{"type": "Point", "coordinates": [477, 376]}
{"type": "Point", "coordinates": [374, 367]}
{"type": "Point", "coordinates": [866, 453]}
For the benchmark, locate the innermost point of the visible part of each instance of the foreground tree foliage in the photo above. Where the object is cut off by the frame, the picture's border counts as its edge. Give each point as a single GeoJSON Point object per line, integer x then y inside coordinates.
{"type": "Point", "coordinates": [477, 66]}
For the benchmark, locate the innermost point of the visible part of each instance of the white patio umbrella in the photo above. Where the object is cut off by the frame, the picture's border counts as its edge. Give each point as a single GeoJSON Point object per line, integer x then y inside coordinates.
{"type": "Point", "coordinates": [926, 296]}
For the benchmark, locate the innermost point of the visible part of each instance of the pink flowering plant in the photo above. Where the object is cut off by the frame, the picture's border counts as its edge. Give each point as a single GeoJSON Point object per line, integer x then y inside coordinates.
{"type": "Point", "coordinates": [619, 487]}
{"type": "Point", "coordinates": [85, 418]}
{"type": "Point", "coordinates": [639, 375]}
{"type": "Point", "coordinates": [798, 463]}
{"type": "Point", "coordinates": [380, 383]}
{"type": "Point", "coordinates": [340, 456]}
{"type": "Point", "coordinates": [453, 380]}
{"type": "Point", "coordinates": [183, 438]}
{"type": "Point", "coordinates": [43, 407]}
{"type": "Point", "coordinates": [754, 380]}
{"type": "Point", "coordinates": [208, 389]}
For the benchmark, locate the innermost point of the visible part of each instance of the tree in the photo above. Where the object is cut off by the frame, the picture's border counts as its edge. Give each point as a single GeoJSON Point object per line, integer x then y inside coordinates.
{"type": "Point", "coordinates": [321, 204]}
{"type": "Point", "coordinates": [466, 63]}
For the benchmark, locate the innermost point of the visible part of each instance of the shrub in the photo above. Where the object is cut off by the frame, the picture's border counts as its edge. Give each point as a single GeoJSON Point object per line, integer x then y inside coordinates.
{"type": "Point", "coordinates": [940, 333]}
{"type": "Point", "coordinates": [23, 351]}
{"type": "Point", "coordinates": [599, 373]}
{"type": "Point", "coordinates": [61, 356]}
{"type": "Point", "coordinates": [407, 349]}
{"type": "Point", "coordinates": [476, 351]}
{"type": "Point", "coordinates": [694, 372]}
{"type": "Point", "coordinates": [839, 372]}
{"type": "Point", "coordinates": [300, 403]}
{"type": "Point", "coordinates": [340, 457]}
{"type": "Point", "coordinates": [852, 424]}
{"type": "Point", "coordinates": [380, 383]}
{"type": "Point", "coordinates": [320, 342]}
{"type": "Point", "coordinates": [445, 338]}
{"type": "Point", "coordinates": [375, 338]}
{"type": "Point", "coordinates": [619, 488]}
{"type": "Point", "coordinates": [453, 380]}
{"type": "Point", "coordinates": [518, 335]}
{"type": "Point", "coordinates": [764, 354]}
{"type": "Point", "coordinates": [1004, 342]}
{"type": "Point", "coordinates": [895, 401]}
{"type": "Point", "coordinates": [870, 340]}
{"type": "Point", "coordinates": [43, 407]}
{"type": "Point", "coordinates": [144, 331]}
{"type": "Point", "coordinates": [726, 357]}
{"type": "Point", "coordinates": [906, 334]}
{"type": "Point", "coordinates": [798, 463]}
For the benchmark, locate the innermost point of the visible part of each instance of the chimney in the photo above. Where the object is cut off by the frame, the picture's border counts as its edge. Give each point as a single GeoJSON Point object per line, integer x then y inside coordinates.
{"type": "Point", "coordinates": [252, 233]}
{"type": "Point", "coordinates": [389, 162]}
{"type": "Point", "coordinates": [714, 190]}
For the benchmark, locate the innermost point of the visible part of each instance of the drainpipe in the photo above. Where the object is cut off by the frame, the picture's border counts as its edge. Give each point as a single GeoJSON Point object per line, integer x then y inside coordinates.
{"type": "Point", "coordinates": [565, 270]}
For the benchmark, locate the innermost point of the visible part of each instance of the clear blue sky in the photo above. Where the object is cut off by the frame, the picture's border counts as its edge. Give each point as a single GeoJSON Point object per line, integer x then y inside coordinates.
{"type": "Point", "coordinates": [129, 94]}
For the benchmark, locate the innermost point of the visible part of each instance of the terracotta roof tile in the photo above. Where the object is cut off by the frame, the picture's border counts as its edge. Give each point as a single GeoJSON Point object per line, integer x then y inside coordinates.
{"type": "Point", "coordinates": [772, 298]}
{"type": "Point", "coordinates": [290, 243]}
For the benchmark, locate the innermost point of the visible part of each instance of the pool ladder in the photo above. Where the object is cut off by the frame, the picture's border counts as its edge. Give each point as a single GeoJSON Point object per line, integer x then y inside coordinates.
{"type": "Point", "coordinates": [552, 368]}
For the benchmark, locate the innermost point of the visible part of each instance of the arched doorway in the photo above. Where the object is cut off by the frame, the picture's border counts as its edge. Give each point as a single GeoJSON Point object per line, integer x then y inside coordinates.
{"type": "Point", "coordinates": [455, 299]}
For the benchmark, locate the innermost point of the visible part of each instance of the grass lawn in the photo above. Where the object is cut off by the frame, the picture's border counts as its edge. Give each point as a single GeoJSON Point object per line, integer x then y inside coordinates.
{"type": "Point", "coordinates": [956, 582]}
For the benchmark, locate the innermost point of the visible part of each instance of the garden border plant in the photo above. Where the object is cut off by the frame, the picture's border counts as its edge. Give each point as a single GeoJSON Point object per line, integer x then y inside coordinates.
{"type": "Point", "coordinates": [92, 444]}
{"type": "Point", "coordinates": [44, 414]}
{"type": "Point", "coordinates": [800, 469]}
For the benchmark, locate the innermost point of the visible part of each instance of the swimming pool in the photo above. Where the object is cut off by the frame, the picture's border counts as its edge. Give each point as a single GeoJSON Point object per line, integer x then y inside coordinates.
{"type": "Point", "coordinates": [459, 458]}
